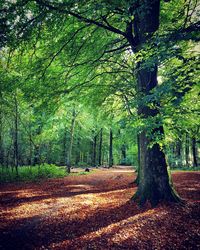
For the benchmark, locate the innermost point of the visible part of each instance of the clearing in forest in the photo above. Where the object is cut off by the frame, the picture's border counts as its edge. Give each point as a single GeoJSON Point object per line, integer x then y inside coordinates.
{"type": "Point", "coordinates": [94, 211]}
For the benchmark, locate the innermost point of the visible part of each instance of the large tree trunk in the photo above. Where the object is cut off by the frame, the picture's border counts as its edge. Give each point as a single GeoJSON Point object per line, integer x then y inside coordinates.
{"type": "Point", "coordinates": [154, 179]}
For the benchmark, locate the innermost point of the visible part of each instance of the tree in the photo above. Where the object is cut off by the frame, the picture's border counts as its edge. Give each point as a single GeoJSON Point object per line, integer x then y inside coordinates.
{"type": "Point", "coordinates": [69, 155]}
{"type": "Point", "coordinates": [100, 146]}
{"type": "Point", "coordinates": [194, 152]}
{"type": "Point", "coordinates": [187, 149]}
{"type": "Point", "coordinates": [111, 148]}
{"type": "Point", "coordinates": [16, 143]}
{"type": "Point", "coordinates": [94, 149]}
{"type": "Point", "coordinates": [133, 25]}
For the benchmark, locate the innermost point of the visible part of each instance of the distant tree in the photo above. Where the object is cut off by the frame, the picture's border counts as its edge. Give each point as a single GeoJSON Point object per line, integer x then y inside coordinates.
{"type": "Point", "coordinates": [111, 148]}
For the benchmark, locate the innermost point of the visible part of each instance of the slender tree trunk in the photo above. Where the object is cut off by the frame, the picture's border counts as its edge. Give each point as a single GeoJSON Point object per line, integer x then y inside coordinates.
{"type": "Point", "coordinates": [78, 152]}
{"type": "Point", "coordinates": [179, 153]}
{"type": "Point", "coordinates": [1, 139]}
{"type": "Point", "coordinates": [64, 147]}
{"type": "Point", "coordinates": [49, 153]}
{"type": "Point", "coordinates": [94, 148]}
{"type": "Point", "coordinates": [88, 158]}
{"type": "Point", "coordinates": [194, 152]}
{"type": "Point", "coordinates": [37, 146]}
{"type": "Point", "coordinates": [8, 155]}
{"type": "Point", "coordinates": [111, 149]}
{"type": "Point", "coordinates": [30, 148]}
{"type": "Point", "coordinates": [187, 150]}
{"type": "Point", "coordinates": [36, 159]}
{"type": "Point", "coordinates": [100, 146]}
{"type": "Point", "coordinates": [71, 140]}
{"type": "Point", "coordinates": [123, 153]}
{"type": "Point", "coordinates": [154, 179]}
{"type": "Point", "coordinates": [16, 145]}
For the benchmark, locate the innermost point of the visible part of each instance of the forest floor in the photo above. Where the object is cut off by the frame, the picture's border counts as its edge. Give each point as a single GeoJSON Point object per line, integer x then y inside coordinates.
{"type": "Point", "coordinates": [94, 211]}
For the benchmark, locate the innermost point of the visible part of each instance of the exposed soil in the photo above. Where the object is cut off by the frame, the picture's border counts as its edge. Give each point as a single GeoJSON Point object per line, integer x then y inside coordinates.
{"type": "Point", "coordinates": [95, 212]}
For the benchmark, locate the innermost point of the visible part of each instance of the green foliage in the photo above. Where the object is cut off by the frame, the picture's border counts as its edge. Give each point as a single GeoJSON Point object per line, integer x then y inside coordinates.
{"type": "Point", "coordinates": [31, 173]}
{"type": "Point", "coordinates": [82, 164]}
{"type": "Point", "coordinates": [53, 63]}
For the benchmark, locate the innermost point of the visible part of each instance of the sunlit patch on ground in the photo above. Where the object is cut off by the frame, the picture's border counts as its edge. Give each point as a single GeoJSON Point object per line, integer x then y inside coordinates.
{"type": "Point", "coordinates": [95, 212]}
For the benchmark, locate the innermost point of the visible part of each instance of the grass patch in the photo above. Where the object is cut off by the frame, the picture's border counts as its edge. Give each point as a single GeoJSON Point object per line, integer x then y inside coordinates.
{"type": "Point", "coordinates": [82, 173]}
{"type": "Point", "coordinates": [185, 169]}
{"type": "Point", "coordinates": [31, 173]}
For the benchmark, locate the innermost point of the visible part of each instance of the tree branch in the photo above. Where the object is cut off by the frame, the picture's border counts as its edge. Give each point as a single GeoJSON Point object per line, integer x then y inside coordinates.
{"type": "Point", "coordinates": [119, 48]}
{"type": "Point", "coordinates": [185, 33]}
{"type": "Point", "coordinates": [63, 46]}
{"type": "Point", "coordinates": [60, 9]}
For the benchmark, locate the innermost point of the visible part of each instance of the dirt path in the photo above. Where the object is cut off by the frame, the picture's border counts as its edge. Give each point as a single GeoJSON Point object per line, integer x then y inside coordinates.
{"type": "Point", "coordinates": [95, 212]}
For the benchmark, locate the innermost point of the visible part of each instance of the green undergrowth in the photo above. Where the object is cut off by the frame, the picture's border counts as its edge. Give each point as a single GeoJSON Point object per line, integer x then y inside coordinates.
{"type": "Point", "coordinates": [81, 173]}
{"type": "Point", "coordinates": [31, 173]}
{"type": "Point", "coordinates": [35, 173]}
{"type": "Point", "coordinates": [185, 169]}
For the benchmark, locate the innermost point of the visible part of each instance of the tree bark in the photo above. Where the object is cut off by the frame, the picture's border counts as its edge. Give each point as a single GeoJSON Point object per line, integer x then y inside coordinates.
{"type": "Point", "coordinates": [111, 149]}
{"type": "Point", "coordinates": [154, 178]}
{"type": "Point", "coordinates": [194, 152]}
{"type": "Point", "coordinates": [136, 181]}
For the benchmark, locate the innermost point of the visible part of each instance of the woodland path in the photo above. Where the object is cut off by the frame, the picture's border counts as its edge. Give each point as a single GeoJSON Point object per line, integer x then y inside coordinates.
{"type": "Point", "coordinates": [94, 211]}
